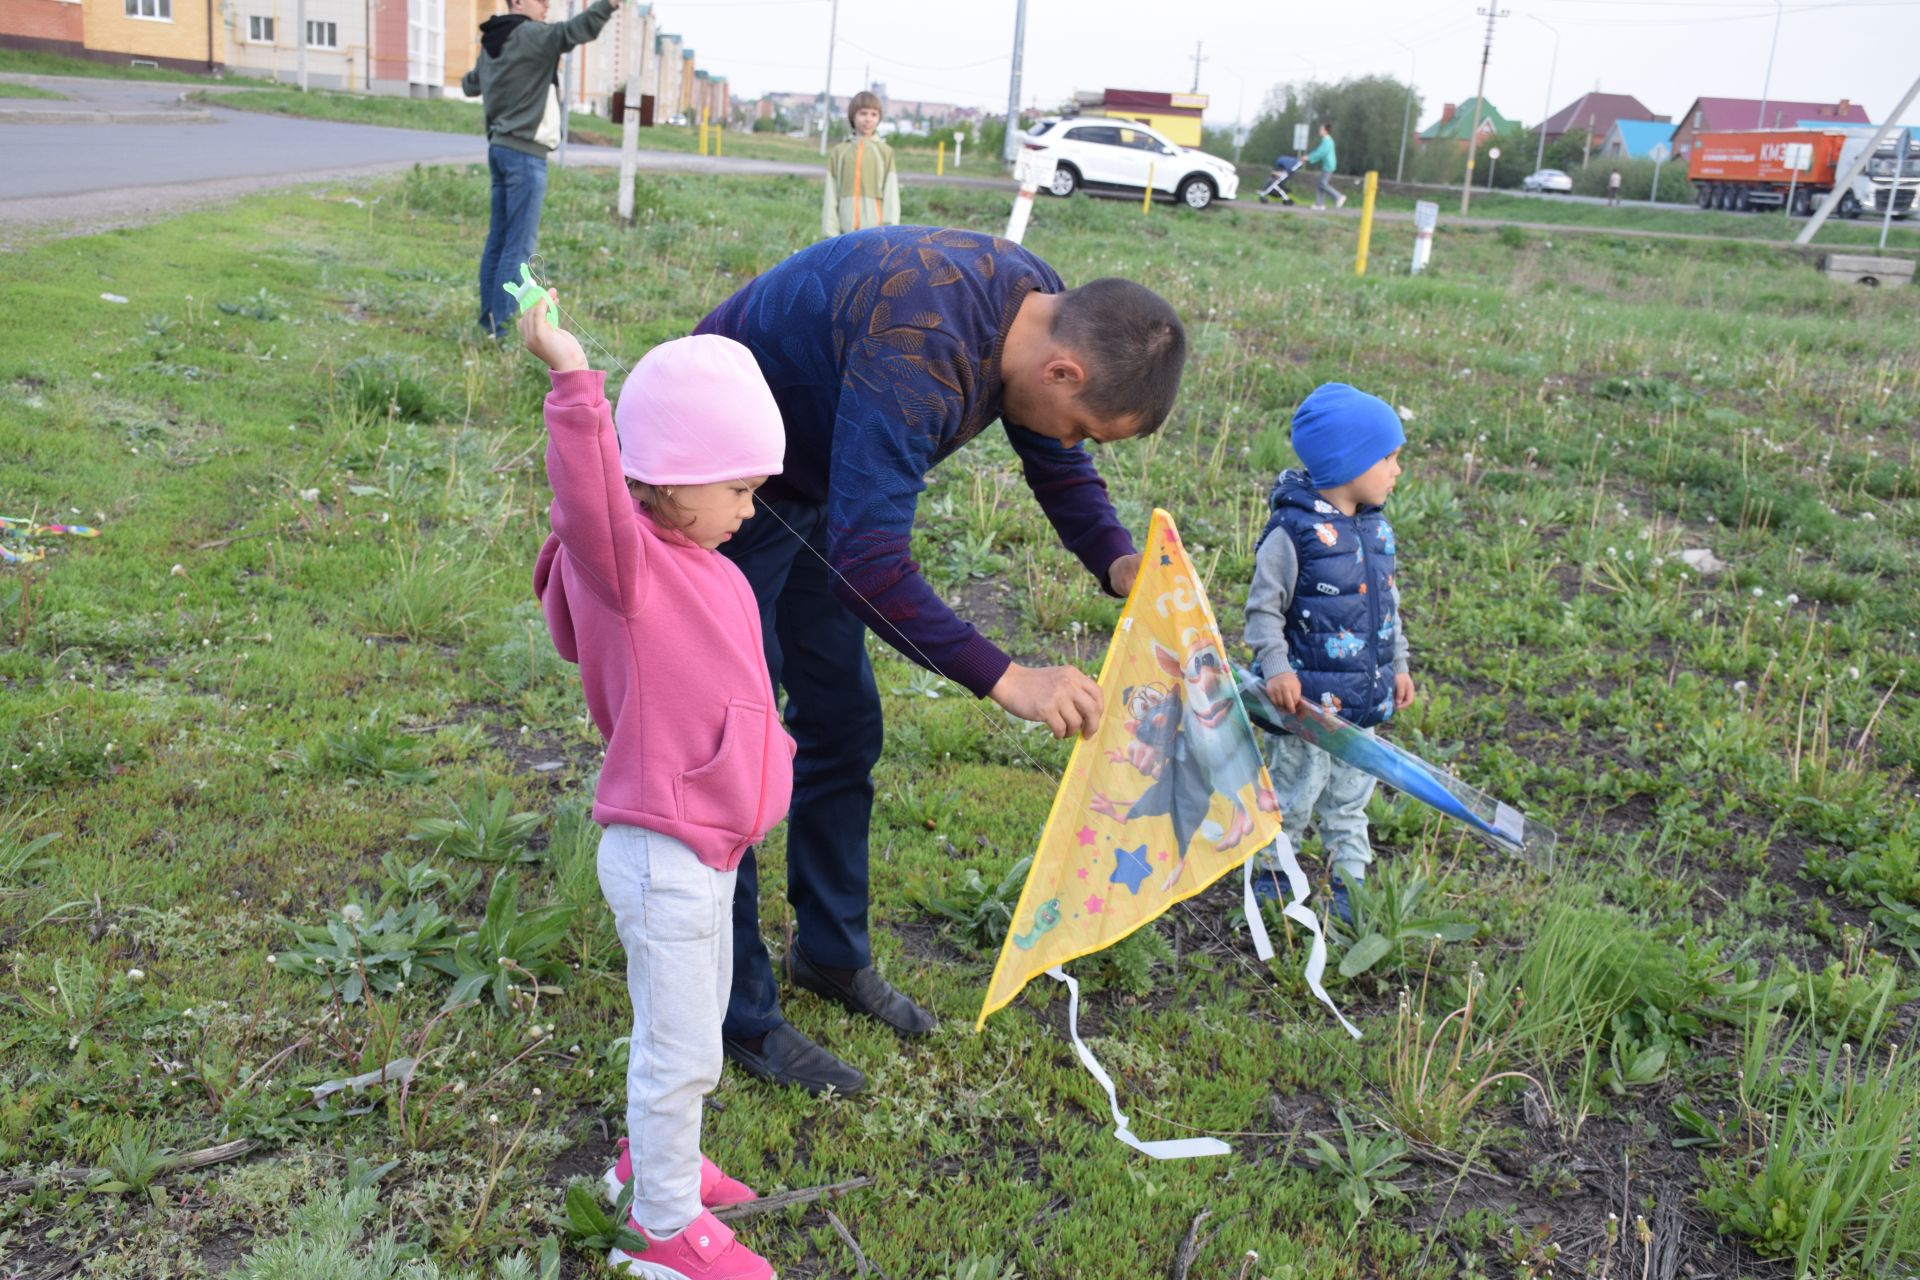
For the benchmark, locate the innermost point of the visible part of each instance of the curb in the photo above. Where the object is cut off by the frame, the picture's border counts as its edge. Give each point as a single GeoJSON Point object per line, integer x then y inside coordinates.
{"type": "Point", "coordinates": [69, 115]}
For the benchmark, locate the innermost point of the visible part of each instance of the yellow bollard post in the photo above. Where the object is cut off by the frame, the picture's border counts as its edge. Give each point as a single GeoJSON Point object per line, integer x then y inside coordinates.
{"type": "Point", "coordinates": [1366, 224]}
{"type": "Point", "coordinates": [940, 159]}
{"type": "Point", "coordinates": [1146, 197]}
{"type": "Point", "coordinates": [703, 131]}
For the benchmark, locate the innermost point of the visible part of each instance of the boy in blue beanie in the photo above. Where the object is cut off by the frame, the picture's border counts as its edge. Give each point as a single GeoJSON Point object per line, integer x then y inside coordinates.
{"type": "Point", "coordinates": [1323, 618]}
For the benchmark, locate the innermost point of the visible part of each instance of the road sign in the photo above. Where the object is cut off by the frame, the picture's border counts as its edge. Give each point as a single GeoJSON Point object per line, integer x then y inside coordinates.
{"type": "Point", "coordinates": [1797, 156]}
{"type": "Point", "coordinates": [1659, 153]}
{"type": "Point", "coordinates": [1493, 153]}
{"type": "Point", "coordinates": [1426, 216]}
{"type": "Point", "coordinates": [1300, 136]}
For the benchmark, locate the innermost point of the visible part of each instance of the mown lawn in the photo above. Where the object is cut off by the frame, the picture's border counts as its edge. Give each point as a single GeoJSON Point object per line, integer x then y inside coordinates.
{"type": "Point", "coordinates": [306, 628]}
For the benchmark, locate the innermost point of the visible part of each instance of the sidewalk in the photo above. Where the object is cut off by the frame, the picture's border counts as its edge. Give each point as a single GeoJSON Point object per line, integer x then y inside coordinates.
{"type": "Point", "coordinates": [84, 101]}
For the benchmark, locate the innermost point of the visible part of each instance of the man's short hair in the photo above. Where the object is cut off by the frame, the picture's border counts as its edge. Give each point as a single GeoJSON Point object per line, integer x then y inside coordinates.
{"type": "Point", "coordinates": [862, 101]}
{"type": "Point", "coordinates": [1133, 345]}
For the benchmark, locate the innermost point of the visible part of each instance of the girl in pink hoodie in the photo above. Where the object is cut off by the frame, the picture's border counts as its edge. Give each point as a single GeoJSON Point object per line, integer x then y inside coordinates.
{"type": "Point", "coordinates": [698, 766]}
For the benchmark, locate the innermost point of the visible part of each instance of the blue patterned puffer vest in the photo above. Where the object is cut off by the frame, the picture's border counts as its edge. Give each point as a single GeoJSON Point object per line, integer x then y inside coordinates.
{"type": "Point", "coordinates": [1341, 624]}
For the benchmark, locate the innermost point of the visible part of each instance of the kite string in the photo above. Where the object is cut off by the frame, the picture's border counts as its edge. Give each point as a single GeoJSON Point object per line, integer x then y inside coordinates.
{"type": "Point", "coordinates": [999, 727]}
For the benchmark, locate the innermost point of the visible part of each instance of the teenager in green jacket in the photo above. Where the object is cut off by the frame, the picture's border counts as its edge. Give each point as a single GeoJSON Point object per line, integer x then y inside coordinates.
{"type": "Point", "coordinates": [863, 191]}
{"type": "Point", "coordinates": [1323, 156]}
{"type": "Point", "coordinates": [517, 79]}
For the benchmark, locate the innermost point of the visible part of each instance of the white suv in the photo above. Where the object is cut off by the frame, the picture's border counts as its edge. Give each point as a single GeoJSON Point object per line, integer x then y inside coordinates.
{"type": "Point", "coordinates": [1103, 154]}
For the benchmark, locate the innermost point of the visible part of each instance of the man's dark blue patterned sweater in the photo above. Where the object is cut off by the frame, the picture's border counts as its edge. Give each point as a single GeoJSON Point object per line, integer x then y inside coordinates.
{"type": "Point", "coordinates": [883, 351]}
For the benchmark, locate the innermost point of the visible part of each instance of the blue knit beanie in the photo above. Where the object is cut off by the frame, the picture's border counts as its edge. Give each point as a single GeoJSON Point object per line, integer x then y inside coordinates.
{"type": "Point", "coordinates": [1339, 432]}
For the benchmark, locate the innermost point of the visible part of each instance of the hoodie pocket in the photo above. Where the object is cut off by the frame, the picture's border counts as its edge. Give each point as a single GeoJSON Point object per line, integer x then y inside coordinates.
{"type": "Point", "coordinates": [724, 793]}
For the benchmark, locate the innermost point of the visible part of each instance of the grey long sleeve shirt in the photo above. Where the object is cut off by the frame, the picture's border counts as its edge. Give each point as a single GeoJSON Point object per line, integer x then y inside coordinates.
{"type": "Point", "coordinates": [1276, 570]}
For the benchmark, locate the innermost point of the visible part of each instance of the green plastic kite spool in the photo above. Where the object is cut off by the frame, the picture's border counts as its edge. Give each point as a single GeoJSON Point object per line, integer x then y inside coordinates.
{"type": "Point", "coordinates": [528, 295]}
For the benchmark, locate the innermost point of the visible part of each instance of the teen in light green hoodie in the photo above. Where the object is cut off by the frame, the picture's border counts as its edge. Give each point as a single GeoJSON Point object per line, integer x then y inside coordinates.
{"type": "Point", "coordinates": [863, 191]}
{"type": "Point", "coordinates": [517, 79]}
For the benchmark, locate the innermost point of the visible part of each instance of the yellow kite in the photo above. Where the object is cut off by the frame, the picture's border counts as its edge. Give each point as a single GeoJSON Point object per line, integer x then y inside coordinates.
{"type": "Point", "coordinates": [1166, 798]}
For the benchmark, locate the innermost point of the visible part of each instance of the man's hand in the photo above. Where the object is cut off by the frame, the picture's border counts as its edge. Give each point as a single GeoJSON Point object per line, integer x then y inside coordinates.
{"type": "Point", "coordinates": [560, 349]}
{"type": "Point", "coordinates": [1123, 571]}
{"type": "Point", "coordinates": [1284, 689]}
{"type": "Point", "coordinates": [1403, 691]}
{"type": "Point", "coordinates": [1065, 699]}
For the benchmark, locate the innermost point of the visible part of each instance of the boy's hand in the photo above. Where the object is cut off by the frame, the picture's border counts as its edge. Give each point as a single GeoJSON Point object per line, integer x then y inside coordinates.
{"type": "Point", "coordinates": [560, 349]}
{"type": "Point", "coordinates": [1403, 691]}
{"type": "Point", "coordinates": [1284, 689]}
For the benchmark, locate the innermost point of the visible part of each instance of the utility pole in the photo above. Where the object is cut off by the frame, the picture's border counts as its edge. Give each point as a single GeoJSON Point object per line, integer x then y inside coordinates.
{"type": "Point", "coordinates": [1009, 147]}
{"type": "Point", "coordinates": [826, 96]}
{"type": "Point", "coordinates": [1844, 182]}
{"type": "Point", "coordinates": [1406, 118]}
{"type": "Point", "coordinates": [1492, 16]}
{"type": "Point", "coordinates": [1766, 85]}
{"type": "Point", "coordinates": [300, 35]}
{"type": "Point", "coordinates": [1197, 60]}
{"type": "Point", "coordinates": [1540, 156]}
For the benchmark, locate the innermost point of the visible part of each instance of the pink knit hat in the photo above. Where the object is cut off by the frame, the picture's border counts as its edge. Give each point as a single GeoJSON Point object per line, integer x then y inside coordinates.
{"type": "Point", "coordinates": [697, 411]}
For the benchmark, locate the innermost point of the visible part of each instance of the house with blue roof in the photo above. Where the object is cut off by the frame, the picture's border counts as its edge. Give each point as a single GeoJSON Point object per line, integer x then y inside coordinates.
{"type": "Point", "coordinates": [1634, 139]}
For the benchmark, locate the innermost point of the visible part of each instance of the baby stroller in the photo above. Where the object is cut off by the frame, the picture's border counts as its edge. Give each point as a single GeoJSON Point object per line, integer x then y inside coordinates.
{"type": "Point", "coordinates": [1276, 188]}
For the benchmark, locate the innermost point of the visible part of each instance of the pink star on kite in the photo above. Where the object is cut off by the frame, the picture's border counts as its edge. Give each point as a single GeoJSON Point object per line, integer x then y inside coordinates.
{"type": "Point", "coordinates": [1086, 835]}
{"type": "Point", "coordinates": [1164, 855]}
{"type": "Point", "coordinates": [1083, 873]}
{"type": "Point", "coordinates": [1094, 905]}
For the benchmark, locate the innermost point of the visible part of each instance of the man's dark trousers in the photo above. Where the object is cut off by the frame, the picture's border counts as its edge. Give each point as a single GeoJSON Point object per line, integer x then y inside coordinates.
{"type": "Point", "coordinates": [817, 653]}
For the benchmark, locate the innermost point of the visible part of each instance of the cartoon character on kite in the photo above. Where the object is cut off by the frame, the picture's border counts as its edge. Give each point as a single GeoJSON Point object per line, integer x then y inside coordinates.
{"type": "Point", "coordinates": [1045, 917]}
{"type": "Point", "coordinates": [1186, 740]}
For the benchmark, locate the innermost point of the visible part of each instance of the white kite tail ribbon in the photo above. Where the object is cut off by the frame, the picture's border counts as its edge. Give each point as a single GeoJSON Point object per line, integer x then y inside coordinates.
{"type": "Point", "coordinates": [1173, 1149]}
{"type": "Point", "coordinates": [1296, 911]}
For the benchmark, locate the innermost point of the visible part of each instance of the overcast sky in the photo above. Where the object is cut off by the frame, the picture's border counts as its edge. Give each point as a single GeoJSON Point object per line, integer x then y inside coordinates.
{"type": "Point", "coordinates": [1665, 52]}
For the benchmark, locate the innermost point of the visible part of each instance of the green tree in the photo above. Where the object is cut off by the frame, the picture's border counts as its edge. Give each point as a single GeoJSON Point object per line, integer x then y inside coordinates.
{"type": "Point", "coordinates": [1366, 113]}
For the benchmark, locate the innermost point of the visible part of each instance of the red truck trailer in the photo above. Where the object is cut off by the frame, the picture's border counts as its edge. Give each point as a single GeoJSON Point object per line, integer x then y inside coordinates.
{"type": "Point", "coordinates": [1767, 168]}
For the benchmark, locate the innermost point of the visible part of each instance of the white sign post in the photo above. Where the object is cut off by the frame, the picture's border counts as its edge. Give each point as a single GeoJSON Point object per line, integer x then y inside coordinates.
{"type": "Point", "coordinates": [1426, 216]}
{"type": "Point", "coordinates": [1032, 170]}
{"type": "Point", "coordinates": [1300, 138]}
{"type": "Point", "coordinates": [1658, 153]}
{"type": "Point", "coordinates": [1493, 159]}
{"type": "Point", "coordinates": [1798, 158]}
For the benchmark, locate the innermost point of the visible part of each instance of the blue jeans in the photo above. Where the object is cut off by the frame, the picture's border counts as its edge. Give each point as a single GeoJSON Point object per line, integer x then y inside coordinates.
{"type": "Point", "coordinates": [817, 654]}
{"type": "Point", "coordinates": [519, 189]}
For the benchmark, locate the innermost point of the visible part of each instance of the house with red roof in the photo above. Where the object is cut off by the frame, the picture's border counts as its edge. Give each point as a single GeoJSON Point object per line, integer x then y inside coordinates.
{"type": "Point", "coordinates": [1709, 115]}
{"type": "Point", "coordinates": [1596, 112]}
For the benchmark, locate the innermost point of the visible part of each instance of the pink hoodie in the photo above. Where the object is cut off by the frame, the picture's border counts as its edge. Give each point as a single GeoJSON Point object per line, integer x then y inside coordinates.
{"type": "Point", "coordinates": [667, 636]}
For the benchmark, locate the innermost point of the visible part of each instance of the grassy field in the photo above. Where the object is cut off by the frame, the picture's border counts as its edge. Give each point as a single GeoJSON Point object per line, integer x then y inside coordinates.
{"type": "Point", "coordinates": [53, 64]}
{"type": "Point", "coordinates": [305, 634]}
{"type": "Point", "coordinates": [1904, 235]}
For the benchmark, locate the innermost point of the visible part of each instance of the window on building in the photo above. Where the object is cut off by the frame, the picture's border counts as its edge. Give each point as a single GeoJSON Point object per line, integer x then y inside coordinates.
{"type": "Point", "coordinates": [260, 28]}
{"type": "Point", "coordinates": [323, 35]}
{"type": "Point", "coordinates": [158, 10]}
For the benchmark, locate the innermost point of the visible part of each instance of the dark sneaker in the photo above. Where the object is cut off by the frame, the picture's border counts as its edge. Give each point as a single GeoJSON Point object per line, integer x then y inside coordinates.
{"type": "Point", "coordinates": [1269, 886]}
{"type": "Point", "coordinates": [787, 1057]}
{"type": "Point", "coordinates": [1341, 909]}
{"type": "Point", "coordinates": [863, 991]}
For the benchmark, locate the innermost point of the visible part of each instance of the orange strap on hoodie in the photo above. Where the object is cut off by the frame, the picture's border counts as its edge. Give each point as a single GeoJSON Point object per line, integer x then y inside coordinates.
{"type": "Point", "coordinates": [859, 152]}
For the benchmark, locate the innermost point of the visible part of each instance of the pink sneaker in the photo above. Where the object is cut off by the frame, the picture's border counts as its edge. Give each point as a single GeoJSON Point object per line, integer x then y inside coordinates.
{"type": "Point", "coordinates": [706, 1250]}
{"type": "Point", "coordinates": [717, 1190]}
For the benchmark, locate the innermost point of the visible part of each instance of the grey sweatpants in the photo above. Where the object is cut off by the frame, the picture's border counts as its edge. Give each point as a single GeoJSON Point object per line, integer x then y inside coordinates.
{"type": "Point", "coordinates": [1315, 789]}
{"type": "Point", "coordinates": [674, 915]}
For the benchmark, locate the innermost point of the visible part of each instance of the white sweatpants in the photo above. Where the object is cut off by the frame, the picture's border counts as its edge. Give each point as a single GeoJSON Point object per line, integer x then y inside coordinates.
{"type": "Point", "coordinates": [674, 915]}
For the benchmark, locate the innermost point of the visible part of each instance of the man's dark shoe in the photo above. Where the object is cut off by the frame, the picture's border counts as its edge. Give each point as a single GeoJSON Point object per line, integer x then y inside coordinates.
{"type": "Point", "coordinates": [787, 1057]}
{"type": "Point", "coordinates": [861, 990]}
